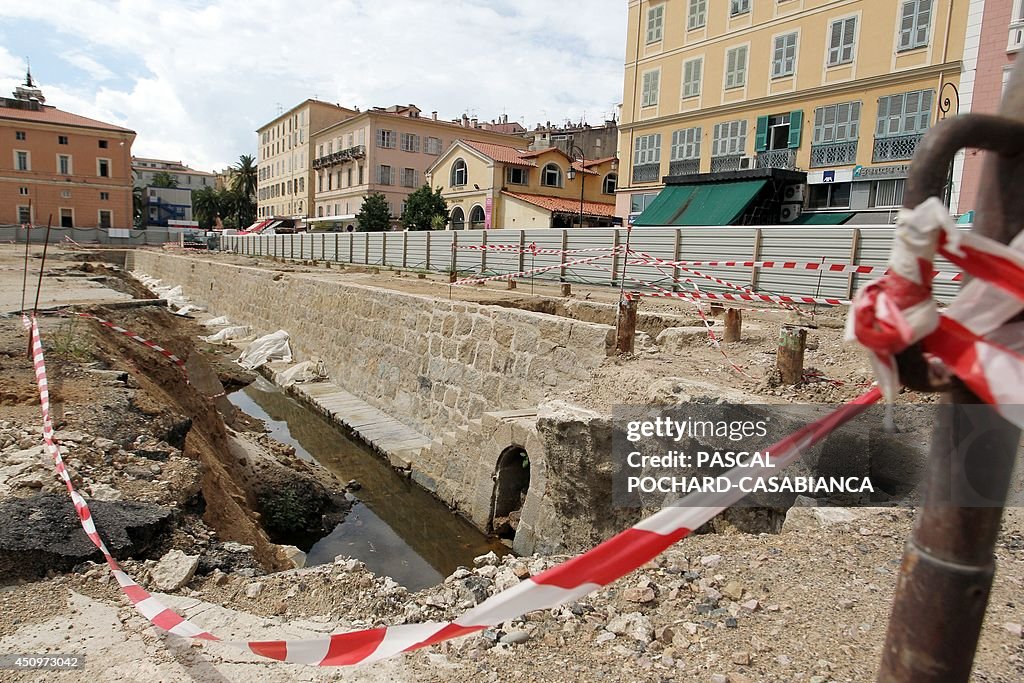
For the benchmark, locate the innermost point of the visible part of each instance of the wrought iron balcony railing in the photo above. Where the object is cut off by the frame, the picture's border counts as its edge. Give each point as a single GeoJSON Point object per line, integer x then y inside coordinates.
{"type": "Point", "coordinates": [646, 173]}
{"type": "Point", "coordinates": [684, 167]}
{"type": "Point", "coordinates": [777, 158]}
{"type": "Point", "coordinates": [341, 156]}
{"type": "Point", "coordinates": [896, 149]}
{"type": "Point", "coordinates": [835, 154]}
{"type": "Point", "coordinates": [729, 163]}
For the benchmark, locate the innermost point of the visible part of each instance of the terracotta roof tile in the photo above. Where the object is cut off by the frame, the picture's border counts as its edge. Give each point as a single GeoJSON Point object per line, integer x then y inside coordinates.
{"type": "Point", "coordinates": [49, 114]}
{"type": "Point", "coordinates": [564, 204]}
{"type": "Point", "coordinates": [500, 153]}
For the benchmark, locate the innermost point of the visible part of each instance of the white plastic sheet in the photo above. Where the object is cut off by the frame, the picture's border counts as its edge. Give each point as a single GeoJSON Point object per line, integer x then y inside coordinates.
{"type": "Point", "coordinates": [302, 373]}
{"type": "Point", "coordinates": [220, 321]}
{"type": "Point", "coordinates": [228, 335]}
{"type": "Point", "coordinates": [266, 349]}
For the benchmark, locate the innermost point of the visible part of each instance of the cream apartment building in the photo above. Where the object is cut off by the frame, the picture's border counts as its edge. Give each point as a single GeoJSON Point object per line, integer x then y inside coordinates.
{"type": "Point", "coordinates": [840, 89]}
{"type": "Point", "coordinates": [385, 150]}
{"type": "Point", "coordinates": [285, 171]}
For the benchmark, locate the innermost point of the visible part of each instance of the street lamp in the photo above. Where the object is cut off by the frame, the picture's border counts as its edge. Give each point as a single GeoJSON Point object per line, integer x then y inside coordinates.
{"type": "Point", "coordinates": [946, 106]}
{"type": "Point", "coordinates": [573, 150]}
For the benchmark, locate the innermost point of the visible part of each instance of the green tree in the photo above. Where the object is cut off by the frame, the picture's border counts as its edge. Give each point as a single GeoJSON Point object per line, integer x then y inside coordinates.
{"type": "Point", "coordinates": [206, 206]}
{"type": "Point", "coordinates": [422, 207]}
{"type": "Point", "coordinates": [244, 176]}
{"type": "Point", "coordinates": [374, 215]}
{"type": "Point", "coordinates": [138, 205]}
{"type": "Point", "coordinates": [236, 204]}
{"type": "Point", "coordinates": [163, 179]}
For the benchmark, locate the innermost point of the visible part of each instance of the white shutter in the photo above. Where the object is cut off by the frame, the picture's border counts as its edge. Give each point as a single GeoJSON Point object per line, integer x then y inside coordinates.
{"type": "Point", "coordinates": [819, 118]}
{"type": "Point", "coordinates": [717, 140]}
{"type": "Point", "coordinates": [849, 33]}
{"type": "Point", "coordinates": [778, 56]}
{"type": "Point", "coordinates": [741, 66]}
{"type": "Point", "coordinates": [835, 45]}
{"type": "Point", "coordinates": [790, 56]}
{"type": "Point", "coordinates": [907, 16]}
{"type": "Point", "coordinates": [925, 117]}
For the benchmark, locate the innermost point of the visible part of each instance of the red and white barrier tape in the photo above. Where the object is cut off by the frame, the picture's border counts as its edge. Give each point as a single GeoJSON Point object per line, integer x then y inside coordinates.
{"type": "Point", "coordinates": [563, 583]}
{"type": "Point", "coordinates": [140, 339]}
{"type": "Point", "coordinates": [532, 271]}
{"type": "Point", "coordinates": [532, 249]}
{"type": "Point", "coordinates": [825, 267]}
{"type": "Point", "coordinates": [739, 296]}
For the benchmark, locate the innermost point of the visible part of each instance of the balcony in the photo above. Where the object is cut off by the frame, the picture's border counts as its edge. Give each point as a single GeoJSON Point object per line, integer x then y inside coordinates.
{"type": "Point", "coordinates": [777, 158]}
{"type": "Point", "coordinates": [836, 154]}
{"type": "Point", "coordinates": [684, 167]}
{"type": "Point", "coordinates": [729, 163]}
{"type": "Point", "coordinates": [646, 173]}
{"type": "Point", "coordinates": [896, 148]}
{"type": "Point", "coordinates": [340, 157]}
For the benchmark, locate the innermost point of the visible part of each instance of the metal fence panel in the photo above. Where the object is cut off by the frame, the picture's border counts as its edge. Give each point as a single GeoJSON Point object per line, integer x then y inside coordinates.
{"type": "Point", "coordinates": [441, 250]}
{"type": "Point", "coordinates": [832, 245]}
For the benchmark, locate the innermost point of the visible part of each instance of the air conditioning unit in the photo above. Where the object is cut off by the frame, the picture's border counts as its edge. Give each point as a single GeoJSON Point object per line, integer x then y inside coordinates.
{"type": "Point", "coordinates": [748, 163]}
{"type": "Point", "coordinates": [790, 212]}
{"type": "Point", "coordinates": [793, 193]}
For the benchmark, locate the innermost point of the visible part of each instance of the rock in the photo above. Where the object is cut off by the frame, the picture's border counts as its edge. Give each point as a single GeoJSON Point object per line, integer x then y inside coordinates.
{"type": "Point", "coordinates": [174, 570]}
{"type": "Point", "coordinates": [741, 658]}
{"type": "Point", "coordinates": [101, 491]}
{"type": "Point", "coordinates": [232, 547]}
{"type": "Point", "coordinates": [253, 590]}
{"type": "Point", "coordinates": [665, 635]}
{"type": "Point", "coordinates": [1014, 629]}
{"type": "Point", "coordinates": [487, 571]}
{"type": "Point", "coordinates": [719, 678]}
{"type": "Point", "coordinates": [710, 560]}
{"type": "Point", "coordinates": [632, 624]}
{"type": "Point", "coordinates": [521, 570]}
{"type": "Point", "coordinates": [105, 445]}
{"type": "Point", "coordinates": [805, 518]}
{"type": "Point", "coordinates": [604, 637]}
{"type": "Point", "coordinates": [641, 595]}
{"type": "Point", "coordinates": [750, 605]}
{"type": "Point", "coordinates": [733, 590]}
{"type": "Point", "coordinates": [514, 638]}
{"type": "Point", "coordinates": [294, 555]}
{"type": "Point", "coordinates": [489, 559]}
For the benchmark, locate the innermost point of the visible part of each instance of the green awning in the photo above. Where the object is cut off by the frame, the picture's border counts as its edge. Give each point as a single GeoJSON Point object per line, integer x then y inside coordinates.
{"type": "Point", "coordinates": [704, 204]}
{"type": "Point", "coordinates": [822, 219]}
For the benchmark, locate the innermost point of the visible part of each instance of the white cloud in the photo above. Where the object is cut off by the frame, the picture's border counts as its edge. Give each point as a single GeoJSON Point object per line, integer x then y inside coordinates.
{"type": "Point", "coordinates": [195, 79]}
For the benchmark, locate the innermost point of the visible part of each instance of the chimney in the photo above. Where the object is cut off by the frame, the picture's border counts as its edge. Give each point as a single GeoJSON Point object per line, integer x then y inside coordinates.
{"type": "Point", "coordinates": [504, 118]}
{"type": "Point", "coordinates": [465, 121]}
{"type": "Point", "coordinates": [475, 122]}
{"type": "Point", "coordinates": [433, 115]}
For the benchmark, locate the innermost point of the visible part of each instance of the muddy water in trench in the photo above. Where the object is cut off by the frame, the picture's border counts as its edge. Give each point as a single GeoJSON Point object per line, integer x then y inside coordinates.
{"type": "Point", "coordinates": [396, 528]}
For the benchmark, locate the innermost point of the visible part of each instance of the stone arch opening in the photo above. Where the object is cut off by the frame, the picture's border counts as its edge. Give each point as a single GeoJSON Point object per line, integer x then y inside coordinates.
{"type": "Point", "coordinates": [511, 484]}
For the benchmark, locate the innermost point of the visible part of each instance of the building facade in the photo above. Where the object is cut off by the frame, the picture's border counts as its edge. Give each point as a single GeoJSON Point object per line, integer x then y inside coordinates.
{"type": "Point", "coordinates": [498, 186]}
{"type": "Point", "coordinates": [842, 90]}
{"type": "Point", "coordinates": [995, 34]}
{"type": "Point", "coordinates": [285, 170]}
{"type": "Point", "coordinates": [597, 142]}
{"type": "Point", "coordinates": [59, 164]}
{"type": "Point", "coordinates": [381, 150]}
{"type": "Point", "coordinates": [144, 169]}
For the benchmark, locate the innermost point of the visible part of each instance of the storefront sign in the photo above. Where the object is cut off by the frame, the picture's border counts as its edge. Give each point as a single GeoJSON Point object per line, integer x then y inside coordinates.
{"type": "Point", "coordinates": [880, 172]}
{"type": "Point", "coordinates": [837, 175]}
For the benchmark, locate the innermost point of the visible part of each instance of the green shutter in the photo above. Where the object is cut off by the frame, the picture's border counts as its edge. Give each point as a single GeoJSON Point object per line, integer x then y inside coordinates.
{"type": "Point", "coordinates": [761, 138]}
{"type": "Point", "coordinates": [796, 124]}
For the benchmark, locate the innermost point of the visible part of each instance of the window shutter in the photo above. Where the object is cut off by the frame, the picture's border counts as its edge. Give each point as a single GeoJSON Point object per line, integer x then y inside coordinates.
{"type": "Point", "coordinates": [926, 110]}
{"type": "Point", "coordinates": [761, 137]}
{"type": "Point", "coordinates": [796, 124]}
{"type": "Point", "coordinates": [778, 56]}
{"type": "Point", "coordinates": [741, 65]}
{"type": "Point", "coordinates": [854, 132]}
{"type": "Point", "coordinates": [789, 55]}
{"type": "Point", "coordinates": [819, 117]}
{"type": "Point", "coordinates": [907, 24]}
{"type": "Point", "coordinates": [881, 129]}
{"type": "Point", "coordinates": [924, 19]}
{"type": "Point", "coordinates": [835, 43]}
{"type": "Point", "coordinates": [716, 142]}
{"type": "Point", "coordinates": [849, 33]}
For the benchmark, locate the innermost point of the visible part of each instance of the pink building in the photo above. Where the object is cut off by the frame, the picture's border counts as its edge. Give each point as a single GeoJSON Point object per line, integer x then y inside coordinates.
{"type": "Point", "coordinates": [995, 33]}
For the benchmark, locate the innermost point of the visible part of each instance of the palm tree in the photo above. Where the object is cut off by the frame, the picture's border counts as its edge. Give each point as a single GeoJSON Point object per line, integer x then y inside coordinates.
{"type": "Point", "coordinates": [244, 177]}
{"type": "Point", "coordinates": [206, 205]}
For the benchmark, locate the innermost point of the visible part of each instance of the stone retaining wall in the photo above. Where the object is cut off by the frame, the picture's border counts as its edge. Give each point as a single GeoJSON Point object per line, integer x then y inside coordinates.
{"type": "Point", "coordinates": [432, 363]}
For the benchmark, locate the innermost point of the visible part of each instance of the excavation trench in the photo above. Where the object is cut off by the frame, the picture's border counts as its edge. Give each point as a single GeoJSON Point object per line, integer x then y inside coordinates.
{"type": "Point", "coordinates": [395, 527]}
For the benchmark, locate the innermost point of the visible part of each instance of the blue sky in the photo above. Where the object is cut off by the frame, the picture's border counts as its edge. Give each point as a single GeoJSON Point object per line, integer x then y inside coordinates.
{"type": "Point", "coordinates": [195, 79]}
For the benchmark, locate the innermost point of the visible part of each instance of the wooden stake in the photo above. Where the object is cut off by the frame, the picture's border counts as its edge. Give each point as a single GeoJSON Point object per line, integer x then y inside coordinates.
{"type": "Point", "coordinates": [511, 284]}
{"type": "Point", "coordinates": [566, 289]}
{"type": "Point", "coordinates": [790, 357]}
{"type": "Point", "coordinates": [733, 324]}
{"type": "Point", "coordinates": [625, 327]}
{"type": "Point", "coordinates": [716, 309]}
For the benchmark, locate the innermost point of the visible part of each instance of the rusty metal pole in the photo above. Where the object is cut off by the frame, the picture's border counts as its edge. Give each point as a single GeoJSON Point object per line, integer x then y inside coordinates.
{"type": "Point", "coordinates": [625, 326]}
{"type": "Point", "coordinates": [789, 357]}
{"type": "Point", "coordinates": [733, 324]}
{"type": "Point", "coordinates": [944, 581]}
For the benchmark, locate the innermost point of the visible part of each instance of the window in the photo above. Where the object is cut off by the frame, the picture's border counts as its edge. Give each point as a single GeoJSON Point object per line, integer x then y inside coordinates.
{"type": "Point", "coordinates": [638, 203]}
{"type": "Point", "coordinates": [348, 177]}
{"type": "Point", "coordinates": [691, 77]}
{"type": "Point", "coordinates": [517, 176]}
{"type": "Point", "coordinates": [24, 215]}
{"type": "Point", "coordinates": [829, 196]}
{"type": "Point", "coordinates": [647, 150]}
{"type": "Point", "coordinates": [730, 138]}
{"type": "Point", "coordinates": [697, 15]}
{"type": "Point", "coordinates": [104, 196]}
{"type": "Point", "coordinates": [477, 218]}
{"type": "Point", "coordinates": [63, 164]}
{"type": "Point", "coordinates": [649, 98]}
{"type": "Point", "coordinates": [458, 218]}
{"type": "Point", "coordinates": [23, 191]}
{"type": "Point", "coordinates": [784, 56]}
{"type": "Point", "coordinates": [433, 146]}
{"type": "Point", "coordinates": [65, 194]}
{"type": "Point", "coordinates": [106, 219]}
{"type": "Point", "coordinates": [103, 168]}
{"type": "Point", "coordinates": [655, 22]}
{"type": "Point", "coordinates": [67, 218]}
{"type": "Point", "coordinates": [737, 7]}
{"type": "Point", "coordinates": [21, 162]}
{"type": "Point", "coordinates": [62, 139]}
{"type": "Point", "coordinates": [686, 144]}
{"type": "Point", "coordinates": [611, 181]}
{"type": "Point", "coordinates": [887, 193]}
{"type": "Point", "coordinates": [409, 177]}
{"type": "Point", "coordinates": [361, 179]}
{"type": "Point", "coordinates": [460, 173]}
{"type": "Point", "coordinates": [385, 139]}
{"type": "Point", "coordinates": [302, 184]}
{"type": "Point", "coordinates": [915, 20]}
{"type": "Point", "coordinates": [103, 144]}
{"type": "Point", "coordinates": [551, 176]}
{"type": "Point", "coordinates": [778, 131]}
{"type": "Point", "coordinates": [843, 34]}
{"type": "Point", "coordinates": [736, 67]}
{"type": "Point", "coordinates": [410, 142]}
{"type": "Point", "coordinates": [905, 114]}
{"type": "Point", "coordinates": [19, 135]}
{"type": "Point", "coordinates": [836, 123]}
